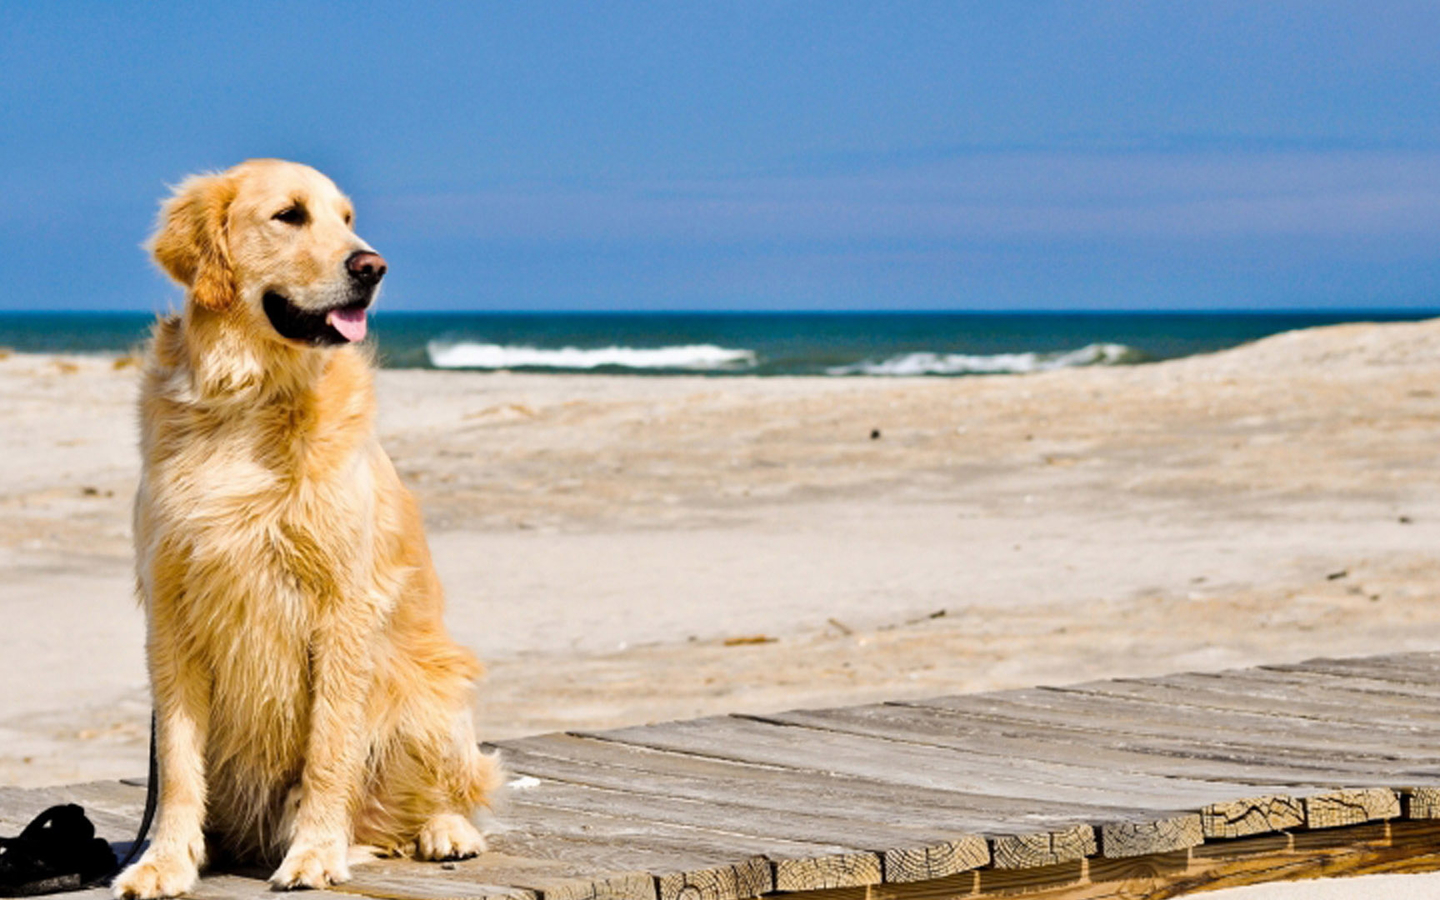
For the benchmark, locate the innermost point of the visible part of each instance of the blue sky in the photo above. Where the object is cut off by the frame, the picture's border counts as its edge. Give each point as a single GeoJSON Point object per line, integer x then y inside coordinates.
{"type": "Point", "coordinates": [832, 155]}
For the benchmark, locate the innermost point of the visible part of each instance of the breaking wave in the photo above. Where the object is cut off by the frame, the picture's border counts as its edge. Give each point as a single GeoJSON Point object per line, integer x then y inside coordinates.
{"type": "Point", "coordinates": [693, 357]}
{"type": "Point", "coordinates": [993, 364]}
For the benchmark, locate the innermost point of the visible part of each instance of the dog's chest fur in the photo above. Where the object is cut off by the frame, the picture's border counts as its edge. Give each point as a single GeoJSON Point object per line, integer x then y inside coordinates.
{"type": "Point", "coordinates": [258, 525]}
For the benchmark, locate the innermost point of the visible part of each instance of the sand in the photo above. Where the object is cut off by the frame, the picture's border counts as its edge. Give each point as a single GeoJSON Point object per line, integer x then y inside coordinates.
{"type": "Point", "coordinates": [631, 549]}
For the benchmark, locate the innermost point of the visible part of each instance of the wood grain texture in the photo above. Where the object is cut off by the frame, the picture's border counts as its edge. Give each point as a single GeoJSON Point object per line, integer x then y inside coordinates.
{"type": "Point", "coordinates": [851, 870]}
{"type": "Point", "coordinates": [943, 728]}
{"type": "Point", "coordinates": [384, 880]}
{"type": "Point", "coordinates": [747, 878]}
{"type": "Point", "coordinates": [1125, 839]}
{"type": "Point", "coordinates": [1422, 803]}
{"type": "Point", "coordinates": [618, 886]}
{"type": "Point", "coordinates": [1036, 850]}
{"type": "Point", "coordinates": [936, 860]}
{"type": "Point", "coordinates": [1337, 808]}
{"type": "Point", "coordinates": [921, 766]}
{"type": "Point", "coordinates": [1255, 815]}
{"type": "Point", "coordinates": [644, 770]}
{"type": "Point", "coordinates": [1090, 712]}
{"type": "Point", "coordinates": [1358, 850]}
{"type": "Point", "coordinates": [1229, 695]}
{"type": "Point", "coordinates": [802, 833]}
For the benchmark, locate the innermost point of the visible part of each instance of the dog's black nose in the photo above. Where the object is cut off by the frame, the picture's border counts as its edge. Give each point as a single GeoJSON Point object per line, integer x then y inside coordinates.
{"type": "Point", "coordinates": [366, 266]}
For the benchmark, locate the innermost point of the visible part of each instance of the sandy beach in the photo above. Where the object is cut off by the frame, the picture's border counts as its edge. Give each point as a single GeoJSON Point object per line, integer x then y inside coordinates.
{"type": "Point", "coordinates": [630, 549]}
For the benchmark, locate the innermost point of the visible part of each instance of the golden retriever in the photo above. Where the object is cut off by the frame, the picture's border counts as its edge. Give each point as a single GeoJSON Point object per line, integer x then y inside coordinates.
{"type": "Point", "coordinates": [308, 699]}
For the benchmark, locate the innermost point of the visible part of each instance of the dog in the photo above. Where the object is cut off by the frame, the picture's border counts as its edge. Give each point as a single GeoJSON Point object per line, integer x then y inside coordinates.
{"type": "Point", "coordinates": [310, 706]}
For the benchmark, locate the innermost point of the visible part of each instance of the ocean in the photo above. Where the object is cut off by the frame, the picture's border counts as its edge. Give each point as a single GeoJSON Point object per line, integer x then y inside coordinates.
{"type": "Point", "coordinates": [764, 344]}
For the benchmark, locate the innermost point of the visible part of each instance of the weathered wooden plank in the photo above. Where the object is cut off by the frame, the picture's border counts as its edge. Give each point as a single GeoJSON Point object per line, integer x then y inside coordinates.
{"type": "Point", "coordinates": [1338, 808]}
{"type": "Point", "coordinates": [1336, 700]}
{"type": "Point", "coordinates": [214, 887]}
{"type": "Point", "coordinates": [748, 878]}
{"type": "Point", "coordinates": [943, 728]}
{"type": "Point", "coordinates": [617, 886]}
{"type": "Point", "coordinates": [828, 872]}
{"type": "Point", "coordinates": [1388, 692]}
{"type": "Point", "coordinates": [1375, 670]}
{"type": "Point", "coordinates": [1422, 803]}
{"type": "Point", "coordinates": [389, 879]}
{"type": "Point", "coordinates": [566, 866]}
{"type": "Point", "coordinates": [1357, 850]}
{"type": "Point", "coordinates": [718, 814]}
{"type": "Point", "coordinates": [223, 886]}
{"type": "Point", "coordinates": [921, 766]}
{"type": "Point", "coordinates": [1252, 736]}
{"type": "Point", "coordinates": [1225, 696]}
{"type": "Point", "coordinates": [1313, 686]}
{"type": "Point", "coordinates": [1263, 729]}
{"type": "Point", "coordinates": [1419, 668]}
{"type": "Point", "coordinates": [1145, 838]}
{"type": "Point", "coordinates": [500, 874]}
{"type": "Point", "coordinates": [1028, 851]}
{"type": "Point", "coordinates": [1276, 768]}
{"type": "Point", "coordinates": [1245, 815]}
{"type": "Point", "coordinates": [793, 860]}
{"type": "Point", "coordinates": [1016, 829]}
{"type": "Point", "coordinates": [939, 860]}
{"type": "Point", "coordinates": [1255, 815]}
{"type": "Point", "coordinates": [608, 844]}
{"type": "Point", "coordinates": [647, 770]}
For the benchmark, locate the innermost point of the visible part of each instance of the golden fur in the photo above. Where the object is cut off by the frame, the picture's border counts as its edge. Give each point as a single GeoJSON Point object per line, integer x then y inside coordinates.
{"type": "Point", "coordinates": [307, 695]}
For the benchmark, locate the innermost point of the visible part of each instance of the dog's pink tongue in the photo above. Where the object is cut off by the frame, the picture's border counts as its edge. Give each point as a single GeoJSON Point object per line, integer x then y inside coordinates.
{"type": "Point", "coordinates": [349, 322]}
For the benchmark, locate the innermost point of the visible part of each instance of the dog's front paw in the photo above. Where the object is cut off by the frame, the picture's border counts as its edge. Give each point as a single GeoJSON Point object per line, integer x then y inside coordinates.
{"type": "Point", "coordinates": [157, 874]}
{"type": "Point", "coordinates": [312, 864]}
{"type": "Point", "coordinates": [449, 836]}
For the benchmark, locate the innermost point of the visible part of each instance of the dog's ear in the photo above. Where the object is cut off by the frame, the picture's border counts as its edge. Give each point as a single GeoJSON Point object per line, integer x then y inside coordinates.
{"type": "Point", "coordinates": [191, 242]}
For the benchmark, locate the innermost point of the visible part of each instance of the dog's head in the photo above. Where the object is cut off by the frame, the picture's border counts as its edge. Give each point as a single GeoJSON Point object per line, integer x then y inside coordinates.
{"type": "Point", "coordinates": [271, 243]}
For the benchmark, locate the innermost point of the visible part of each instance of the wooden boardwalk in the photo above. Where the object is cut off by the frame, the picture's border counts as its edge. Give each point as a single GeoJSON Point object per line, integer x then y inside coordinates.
{"type": "Point", "coordinates": [1134, 788]}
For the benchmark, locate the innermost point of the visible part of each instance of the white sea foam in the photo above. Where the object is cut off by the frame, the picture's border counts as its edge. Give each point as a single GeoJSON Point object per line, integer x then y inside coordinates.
{"type": "Point", "coordinates": [993, 364]}
{"type": "Point", "coordinates": [693, 357]}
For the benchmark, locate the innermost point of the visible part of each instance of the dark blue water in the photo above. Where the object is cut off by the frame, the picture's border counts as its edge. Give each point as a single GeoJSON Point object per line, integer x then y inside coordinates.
{"type": "Point", "coordinates": [749, 343]}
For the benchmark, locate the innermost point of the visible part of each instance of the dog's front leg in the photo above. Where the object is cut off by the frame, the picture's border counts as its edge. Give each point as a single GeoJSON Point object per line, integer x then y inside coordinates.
{"type": "Point", "coordinates": [335, 758]}
{"type": "Point", "coordinates": [171, 865]}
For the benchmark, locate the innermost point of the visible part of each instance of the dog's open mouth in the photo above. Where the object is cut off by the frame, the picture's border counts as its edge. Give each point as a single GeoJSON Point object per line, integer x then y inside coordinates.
{"type": "Point", "coordinates": [338, 325]}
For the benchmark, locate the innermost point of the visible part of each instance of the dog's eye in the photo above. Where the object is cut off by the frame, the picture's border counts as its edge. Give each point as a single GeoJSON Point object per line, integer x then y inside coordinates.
{"type": "Point", "coordinates": [349, 218]}
{"type": "Point", "coordinates": [290, 215]}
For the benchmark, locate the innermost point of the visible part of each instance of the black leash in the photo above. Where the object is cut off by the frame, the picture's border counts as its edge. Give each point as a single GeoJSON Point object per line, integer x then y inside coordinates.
{"type": "Point", "coordinates": [152, 795]}
{"type": "Point", "coordinates": [58, 851]}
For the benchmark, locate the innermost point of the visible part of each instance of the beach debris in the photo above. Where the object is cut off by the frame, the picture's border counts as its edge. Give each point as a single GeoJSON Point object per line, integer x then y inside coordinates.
{"type": "Point", "coordinates": [749, 639]}
{"type": "Point", "coordinates": [1336, 576]}
{"type": "Point", "coordinates": [504, 412]}
{"type": "Point", "coordinates": [1405, 520]}
{"type": "Point", "coordinates": [874, 434]}
{"type": "Point", "coordinates": [937, 614]}
{"type": "Point", "coordinates": [840, 626]}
